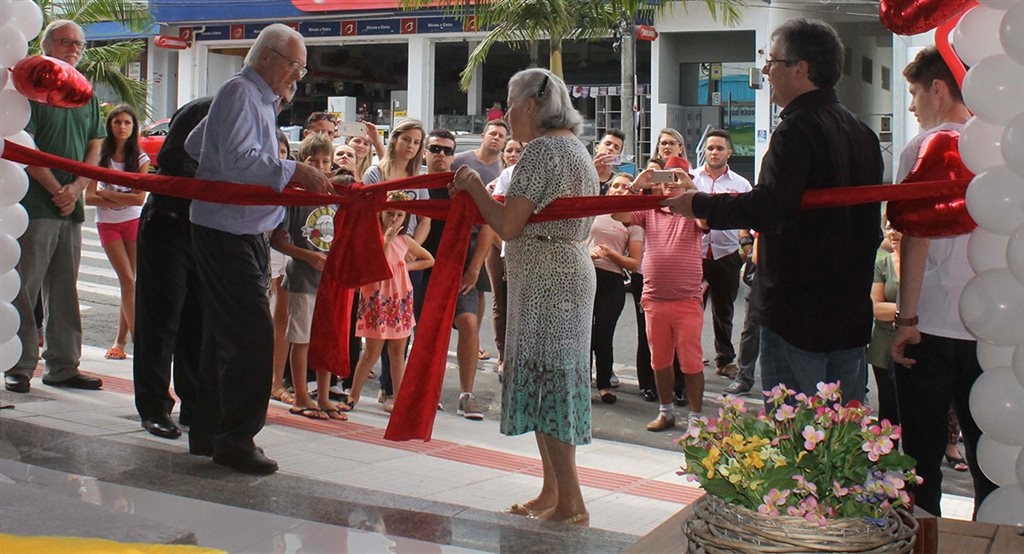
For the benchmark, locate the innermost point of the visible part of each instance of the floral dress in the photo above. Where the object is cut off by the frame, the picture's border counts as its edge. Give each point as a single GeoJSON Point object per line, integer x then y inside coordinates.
{"type": "Point", "coordinates": [551, 284]}
{"type": "Point", "coordinates": [385, 307]}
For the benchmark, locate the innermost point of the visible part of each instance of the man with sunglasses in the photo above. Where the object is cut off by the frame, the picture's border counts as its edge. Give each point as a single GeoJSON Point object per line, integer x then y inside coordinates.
{"type": "Point", "coordinates": [239, 144]}
{"type": "Point", "coordinates": [52, 245]}
{"type": "Point", "coordinates": [321, 122]}
{"type": "Point", "coordinates": [815, 266]}
{"type": "Point", "coordinates": [440, 157]}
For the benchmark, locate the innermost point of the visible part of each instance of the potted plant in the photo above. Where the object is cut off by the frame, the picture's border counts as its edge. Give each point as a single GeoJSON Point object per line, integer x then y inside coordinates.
{"type": "Point", "coordinates": [804, 474]}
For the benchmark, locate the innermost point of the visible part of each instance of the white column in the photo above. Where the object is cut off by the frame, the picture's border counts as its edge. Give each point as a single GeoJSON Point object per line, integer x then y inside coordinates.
{"type": "Point", "coordinates": [474, 97]}
{"type": "Point", "coordinates": [421, 80]}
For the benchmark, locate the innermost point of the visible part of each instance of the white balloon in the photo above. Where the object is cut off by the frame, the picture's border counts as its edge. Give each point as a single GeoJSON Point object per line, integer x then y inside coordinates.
{"type": "Point", "coordinates": [10, 353]}
{"type": "Point", "coordinates": [1011, 32]}
{"type": "Point", "coordinates": [995, 199]}
{"type": "Point", "coordinates": [998, 4]}
{"type": "Point", "coordinates": [997, 460]}
{"type": "Point", "coordinates": [994, 89]}
{"type": "Point", "coordinates": [23, 15]}
{"type": "Point", "coordinates": [986, 250]}
{"type": "Point", "coordinates": [973, 38]}
{"type": "Point", "coordinates": [1017, 363]}
{"type": "Point", "coordinates": [14, 112]}
{"type": "Point", "coordinates": [991, 356]}
{"type": "Point", "coordinates": [3, 83]}
{"type": "Point", "coordinates": [9, 322]}
{"type": "Point", "coordinates": [10, 284]}
{"type": "Point", "coordinates": [997, 404]}
{"type": "Point", "coordinates": [992, 308]}
{"type": "Point", "coordinates": [1004, 506]}
{"type": "Point", "coordinates": [1015, 253]}
{"type": "Point", "coordinates": [1019, 470]}
{"type": "Point", "coordinates": [1012, 143]}
{"type": "Point", "coordinates": [24, 139]}
{"type": "Point", "coordinates": [980, 145]}
{"type": "Point", "coordinates": [13, 183]}
{"type": "Point", "coordinates": [13, 46]}
{"type": "Point", "coordinates": [13, 220]}
{"type": "Point", "coordinates": [10, 252]}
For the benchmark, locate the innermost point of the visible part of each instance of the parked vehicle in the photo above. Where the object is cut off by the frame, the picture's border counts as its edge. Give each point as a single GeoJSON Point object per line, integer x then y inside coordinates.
{"type": "Point", "coordinates": [152, 138]}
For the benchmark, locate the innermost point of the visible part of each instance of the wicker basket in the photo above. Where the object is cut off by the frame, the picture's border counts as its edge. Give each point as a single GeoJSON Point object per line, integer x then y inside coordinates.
{"type": "Point", "coordinates": [717, 526]}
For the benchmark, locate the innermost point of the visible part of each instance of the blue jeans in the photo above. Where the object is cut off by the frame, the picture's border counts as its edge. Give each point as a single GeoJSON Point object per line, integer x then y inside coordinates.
{"type": "Point", "coordinates": [802, 370]}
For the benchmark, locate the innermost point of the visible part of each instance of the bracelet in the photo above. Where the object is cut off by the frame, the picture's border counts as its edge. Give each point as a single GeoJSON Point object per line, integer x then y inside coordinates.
{"type": "Point", "coordinates": [905, 321]}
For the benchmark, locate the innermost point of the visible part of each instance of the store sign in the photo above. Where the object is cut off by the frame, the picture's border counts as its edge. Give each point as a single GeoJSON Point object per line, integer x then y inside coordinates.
{"type": "Point", "coordinates": [320, 29]}
{"type": "Point", "coordinates": [346, 5]}
{"type": "Point", "coordinates": [171, 43]}
{"type": "Point", "coordinates": [344, 28]}
{"type": "Point", "coordinates": [646, 33]}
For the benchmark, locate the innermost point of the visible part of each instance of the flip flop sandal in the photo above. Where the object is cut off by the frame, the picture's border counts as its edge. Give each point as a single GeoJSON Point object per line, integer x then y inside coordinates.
{"type": "Point", "coordinates": [483, 355]}
{"type": "Point", "coordinates": [116, 353]}
{"type": "Point", "coordinates": [335, 413]}
{"type": "Point", "coordinates": [309, 413]}
{"type": "Point", "coordinates": [282, 395]}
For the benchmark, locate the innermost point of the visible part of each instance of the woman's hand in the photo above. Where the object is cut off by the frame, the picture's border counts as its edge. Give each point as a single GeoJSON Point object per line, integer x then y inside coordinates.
{"type": "Point", "coordinates": [466, 179]}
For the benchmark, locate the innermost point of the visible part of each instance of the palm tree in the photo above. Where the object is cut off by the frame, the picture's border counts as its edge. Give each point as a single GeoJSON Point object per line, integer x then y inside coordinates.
{"type": "Point", "coordinates": [558, 20]}
{"type": "Point", "coordinates": [104, 64]}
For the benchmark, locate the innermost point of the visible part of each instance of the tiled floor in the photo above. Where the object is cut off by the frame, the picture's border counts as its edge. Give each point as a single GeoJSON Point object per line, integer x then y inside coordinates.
{"type": "Point", "coordinates": [629, 489]}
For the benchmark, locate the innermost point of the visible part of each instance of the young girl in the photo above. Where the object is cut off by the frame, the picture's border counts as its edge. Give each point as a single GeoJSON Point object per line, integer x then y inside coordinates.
{"type": "Point", "coordinates": [117, 213]}
{"type": "Point", "coordinates": [385, 307]}
{"type": "Point", "coordinates": [279, 302]}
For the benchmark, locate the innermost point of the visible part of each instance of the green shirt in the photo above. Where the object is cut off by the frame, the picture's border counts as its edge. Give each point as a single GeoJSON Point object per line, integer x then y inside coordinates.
{"type": "Point", "coordinates": [64, 132]}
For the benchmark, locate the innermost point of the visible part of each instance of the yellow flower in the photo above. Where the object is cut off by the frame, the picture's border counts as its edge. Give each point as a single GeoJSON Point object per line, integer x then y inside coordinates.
{"type": "Point", "coordinates": [710, 460]}
{"type": "Point", "coordinates": [736, 441]}
{"type": "Point", "coordinates": [753, 459]}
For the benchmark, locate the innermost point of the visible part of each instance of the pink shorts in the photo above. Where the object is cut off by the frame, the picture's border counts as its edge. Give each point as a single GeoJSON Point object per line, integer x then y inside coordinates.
{"type": "Point", "coordinates": [127, 231]}
{"type": "Point", "coordinates": [674, 326]}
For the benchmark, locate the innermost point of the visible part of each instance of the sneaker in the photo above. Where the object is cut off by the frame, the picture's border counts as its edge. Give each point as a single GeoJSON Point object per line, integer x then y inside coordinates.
{"type": "Point", "coordinates": [680, 399]}
{"type": "Point", "coordinates": [468, 408]}
{"type": "Point", "coordinates": [738, 388]}
{"type": "Point", "coordinates": [389, 404]}
{"type": "Point", "coordinates": [730, 370]}
{"type": "Point", "coordinates": [661, 423]}
{"type": "Point", "coordinates": [614, 381]}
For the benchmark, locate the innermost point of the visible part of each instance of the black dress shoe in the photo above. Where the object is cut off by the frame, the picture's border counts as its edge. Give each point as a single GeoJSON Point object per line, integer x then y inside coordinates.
{"type": "Point", "coordinates": [649, 395]}
{"type": "Point", "coordinates": [17, 383]}
{"type": "Point", "coordinates": [680, 399]}
{"type": "Point", "coordinates": [253, 462]}
{"type": "Point", "coordinates": [77, 382]}
{"type": "Point", "coordinates": [162, 427]}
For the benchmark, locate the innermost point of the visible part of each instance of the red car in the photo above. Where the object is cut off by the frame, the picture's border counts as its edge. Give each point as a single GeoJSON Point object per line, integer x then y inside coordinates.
{"type": "Point", "coordinates": [152, 138]}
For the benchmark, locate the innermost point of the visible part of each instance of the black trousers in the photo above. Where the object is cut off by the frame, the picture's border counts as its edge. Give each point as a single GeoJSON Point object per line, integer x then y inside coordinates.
{"type": "Point", "coordinates": [236, 365]}
{"type": "Point", "coordinates": [609, 299]}
{"type": "Point", "coordinates": [945, 372]}
{"type": "Point", "coordinates": [723, 277]}
{"type": "Point", "coordinates": [644, 372]}
{"type": "Point", "coordinates": [168, 315]}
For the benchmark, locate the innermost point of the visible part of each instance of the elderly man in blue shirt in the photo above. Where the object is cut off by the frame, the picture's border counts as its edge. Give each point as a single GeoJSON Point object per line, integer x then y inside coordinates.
{"type": "Point", "coordinates": [238, 143]}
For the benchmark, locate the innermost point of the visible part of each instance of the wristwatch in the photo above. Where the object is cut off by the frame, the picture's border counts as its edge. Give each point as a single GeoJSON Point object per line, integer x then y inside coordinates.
{"type": "Point", "coordinates": [905, 321]}
{"type": "Point", "coordinates": [746, 241]}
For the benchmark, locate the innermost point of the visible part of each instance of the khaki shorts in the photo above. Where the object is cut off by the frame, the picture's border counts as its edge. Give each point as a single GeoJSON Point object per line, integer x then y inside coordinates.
{"type": "Point", "coordinates": [300, 316]}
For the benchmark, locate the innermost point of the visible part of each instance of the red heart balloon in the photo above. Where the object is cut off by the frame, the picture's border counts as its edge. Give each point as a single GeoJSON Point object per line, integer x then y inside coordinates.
{"type": "Point", "coordinates": [910, 17]}
{"type": "Point", "coordinates": [938, 159]}
{"type": "Point", "coordinates": [51, 81]}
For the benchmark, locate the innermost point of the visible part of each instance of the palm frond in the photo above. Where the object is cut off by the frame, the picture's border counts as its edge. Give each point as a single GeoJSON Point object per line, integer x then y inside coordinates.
{"type": "Point", "coordinates": [105, 64]}
{"type": "Point", "coordinates": [133, 14]}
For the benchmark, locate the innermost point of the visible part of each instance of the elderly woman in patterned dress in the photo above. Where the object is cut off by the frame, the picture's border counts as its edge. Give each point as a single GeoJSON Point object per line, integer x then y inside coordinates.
{"type": "Point", "coordinates": [551, 283]}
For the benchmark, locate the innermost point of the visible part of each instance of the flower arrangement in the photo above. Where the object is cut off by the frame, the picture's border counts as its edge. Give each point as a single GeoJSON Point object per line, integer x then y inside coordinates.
{"type": "Point", "coordinates": [805, 456]}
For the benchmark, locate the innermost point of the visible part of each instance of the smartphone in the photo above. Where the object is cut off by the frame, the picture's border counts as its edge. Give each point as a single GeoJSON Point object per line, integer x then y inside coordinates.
{"type": "Point", "coordinates": [615, 160]}
{"type": "Point", "coordinates": [662, 176]}
{"type": "Point", "coordinates": [351, 129]}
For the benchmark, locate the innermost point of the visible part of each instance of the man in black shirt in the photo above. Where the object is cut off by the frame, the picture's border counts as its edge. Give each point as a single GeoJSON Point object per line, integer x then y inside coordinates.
{"type": "Point", "coordinates": [815, 266]}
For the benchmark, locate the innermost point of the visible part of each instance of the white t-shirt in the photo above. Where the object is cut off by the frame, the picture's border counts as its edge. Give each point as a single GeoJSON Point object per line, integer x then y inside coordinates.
{"type": "Point", "coordinates": [946, 269]}
{"type": "Point", "coordinates": [123, 213]}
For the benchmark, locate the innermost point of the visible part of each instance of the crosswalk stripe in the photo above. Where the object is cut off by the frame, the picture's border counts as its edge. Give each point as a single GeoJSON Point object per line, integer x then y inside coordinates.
{"type": "Point", "coordinates": [97, 271]}
{"type": "Point", "coordinates": [95, 288]}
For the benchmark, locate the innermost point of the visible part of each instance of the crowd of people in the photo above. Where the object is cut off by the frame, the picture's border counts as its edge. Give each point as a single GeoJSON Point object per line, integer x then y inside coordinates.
{"type": "Point", "coordinates": [227, 292]}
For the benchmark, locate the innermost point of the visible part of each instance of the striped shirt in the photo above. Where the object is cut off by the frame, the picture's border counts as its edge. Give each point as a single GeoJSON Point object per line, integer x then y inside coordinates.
{"type": "Point", "coordinates": [672, 255]}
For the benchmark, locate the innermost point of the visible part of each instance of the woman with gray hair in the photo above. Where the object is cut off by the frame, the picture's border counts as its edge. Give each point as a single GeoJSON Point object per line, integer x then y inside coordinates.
{"type": "Point", "coordinates": [551, 284]}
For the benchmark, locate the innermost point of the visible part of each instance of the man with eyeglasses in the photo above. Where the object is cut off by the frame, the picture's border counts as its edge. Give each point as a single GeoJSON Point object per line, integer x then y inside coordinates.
{"type": "Point", "coordinates": [238, 143]}
{"type": "Point", "coordinates": [439, 157]}
{"type": "Point", "coordinates": [815, 267]}
{"type": "Point", "coordinates": [51, 247]}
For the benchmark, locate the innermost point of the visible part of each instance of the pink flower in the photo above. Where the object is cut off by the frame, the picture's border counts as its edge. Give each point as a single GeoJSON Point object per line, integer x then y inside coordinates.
{"type": "Point", "coordinates": [785, 412]}
{"type": "Point", "coordinates": [839, 490]}
{"type": "Point", "coordinates": [812, 437]}
{"type": "Point", "coordinates": [828, 391]}
{"type": "Point", "coordinates": [803, 485]}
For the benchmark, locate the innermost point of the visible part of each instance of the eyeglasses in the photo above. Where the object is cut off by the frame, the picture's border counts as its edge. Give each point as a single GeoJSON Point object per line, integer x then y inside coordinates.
{"type": "Point", "coordinates": [67, 42]}
{"type": "Point", "coordinates": [543, 86]}
{"type": "Point", "coordinates": [438, 149]}
{"type": "Point", "coordinates": [668, 143]}
{"type": "Point", "coordinates": [768, 63]}
{"type": "Point", "coordinates": [293, 64]}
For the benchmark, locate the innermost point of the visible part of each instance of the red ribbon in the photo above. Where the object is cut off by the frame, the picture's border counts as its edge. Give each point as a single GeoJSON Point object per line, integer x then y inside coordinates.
{"type": "Point", "coordinates": [357, 255]}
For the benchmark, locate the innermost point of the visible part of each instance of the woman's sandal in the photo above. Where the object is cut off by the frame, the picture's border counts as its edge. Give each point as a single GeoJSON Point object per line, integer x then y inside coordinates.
{"type": "Point", "coordinates": [582, 518]}
{"type": "Point", "coordinates": [116, 353]}
{"type": "Point", "coordinates": [308, 413]}
{"type": "Point", "coordinates": [282, 395]}
{"type": "Point", "coordinates": [335, 413]}
{"type": "Point", "coordinates": [958, 464]}
{"type": "Point", "coordinates": [525, 509]}
{"type": "Point", "coordinates": [346, 405]}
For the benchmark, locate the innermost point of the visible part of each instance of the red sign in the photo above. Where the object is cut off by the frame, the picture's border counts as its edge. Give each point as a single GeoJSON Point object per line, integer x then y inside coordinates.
{"type": "Point", "coordinates": [171, 43]}
{"type": "Point", "coordinates": [237, 32]}
{"type": "Point", "coordinates": [408, 26]}
{"type": "Point", "coordinates": [646, 33]}
{"type": "Point", "coordinates": [469, 24]}
{"type": "Point", "coordinates": [185, 33]}
{"type": "Point", "coordinates": [349, 28]}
